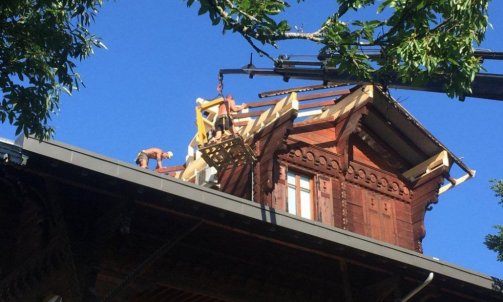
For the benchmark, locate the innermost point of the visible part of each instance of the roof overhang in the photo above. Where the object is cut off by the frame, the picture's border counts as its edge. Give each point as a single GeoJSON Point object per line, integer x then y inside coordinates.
{"type": "Point", "coordinates": [389, 122]}
{"type": "Point", "coordinates": [251, 219]}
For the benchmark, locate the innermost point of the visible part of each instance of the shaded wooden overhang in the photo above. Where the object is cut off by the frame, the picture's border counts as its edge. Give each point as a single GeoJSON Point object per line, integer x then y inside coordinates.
{"type": "Point", "coordinates": [386, 121]}
{"type": "Point", "coordinates": [228, 238]}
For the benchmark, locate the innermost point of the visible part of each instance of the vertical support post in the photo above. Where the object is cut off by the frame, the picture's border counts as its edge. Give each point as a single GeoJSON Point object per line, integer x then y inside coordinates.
{"type": "Point", "coordinates": [348, 296]}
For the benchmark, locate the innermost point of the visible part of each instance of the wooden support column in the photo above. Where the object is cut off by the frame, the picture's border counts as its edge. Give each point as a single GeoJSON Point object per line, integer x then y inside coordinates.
{"type": "Point", "coordinates": [348, 295]}
{"type": "Point", "coordinates": [382, 290]}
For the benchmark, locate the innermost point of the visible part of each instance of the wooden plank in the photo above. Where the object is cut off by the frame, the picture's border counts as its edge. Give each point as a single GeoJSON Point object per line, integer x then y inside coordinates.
{"type": "Point", "coordinates": [280, 189]}
{"type": "Point", "coordinates": [171, 169]}
{"type": "Point", "coordinates": [348, 104]}
{"type": "Point", "coordinates": [337, 202]}
{"type": "Point", "coordinates": [397, 131]}
{"type": "Point", "coordinates": [325, 200]}
{"type": "Point", "coordinates": [431, 164]}
{"type": "Point", "coordinates": [240, 123]}
{"type": "Point", "coordinates": [314, 138]}
{"type": "Point", "coordinates": [388, 154]}
{"type": "Point", "coordinates": [192, 168]}
{"type": "Point", "coordinates": [403, 212]}
{"type": "Point", "coordinates": [236, 180]}
{"type": "Point", "coordinates": [301, 98]}
{"type": "Point", "coordinates": [297, 89]}
{"type": "Point", "coordinates": [270, 116]}
{"type": "Point", "coordinates": [249, 114]}
{"type": "Point", "coordinates": [355, 212]}
{"type": "Point", "coordinates": [362, 153]}
{"type": "Point", "coordinates": [404, 228]}
{"type": "Point", "coordinates": [356, 226]}
{"type": "Point", "coordinates": [457, 182]}
{"type": "Point", "coordinates": [317, 104]}
{"type": "Point", "coordinates": [301, 107]}
{"type": "Point", "coordinates": [312, 125]}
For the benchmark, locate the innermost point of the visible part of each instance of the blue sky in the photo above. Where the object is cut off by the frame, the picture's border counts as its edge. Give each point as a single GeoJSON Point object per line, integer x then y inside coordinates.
{"type": "Point", "coordinates": [161, 56]}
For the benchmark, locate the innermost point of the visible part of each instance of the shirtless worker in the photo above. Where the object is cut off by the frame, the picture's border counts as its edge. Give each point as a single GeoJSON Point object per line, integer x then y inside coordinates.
{"type": "Point", "coordinates": [152, 153]}
{"type": "Point", "coordinates": [224, 122]}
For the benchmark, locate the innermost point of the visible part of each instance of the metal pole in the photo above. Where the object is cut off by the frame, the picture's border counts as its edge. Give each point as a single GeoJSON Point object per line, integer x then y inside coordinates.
{"type": "Point", "coordinates": [419, 288]}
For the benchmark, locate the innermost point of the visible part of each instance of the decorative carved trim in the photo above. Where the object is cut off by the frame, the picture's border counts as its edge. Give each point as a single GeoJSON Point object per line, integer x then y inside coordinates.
{"type": "Point", "coordinates": [344, 203]}
{"type": "Point", "coordinates": [319, 160]}
{"type": "Point", "coordinates": [328, 163]}
{"type": "Point", "coordinates": [378, 181]}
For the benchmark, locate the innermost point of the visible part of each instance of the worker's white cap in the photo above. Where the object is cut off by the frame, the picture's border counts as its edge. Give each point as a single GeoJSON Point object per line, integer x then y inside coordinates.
{"type": "Point", "coordinates": [169, 154]}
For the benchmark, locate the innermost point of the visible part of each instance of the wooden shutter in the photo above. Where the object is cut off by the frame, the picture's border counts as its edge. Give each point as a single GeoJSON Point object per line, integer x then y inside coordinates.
{"type": "Point", "coordinates": [324, 200]}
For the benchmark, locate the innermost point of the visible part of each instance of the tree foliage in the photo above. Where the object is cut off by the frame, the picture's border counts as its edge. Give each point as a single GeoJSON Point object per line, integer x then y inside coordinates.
{"type": "Point", "coordinates": [420, 41]}
{"type": "Point", "coordinates": [495, 242]}
{"type": "Point", "coordinates": [40, 41]}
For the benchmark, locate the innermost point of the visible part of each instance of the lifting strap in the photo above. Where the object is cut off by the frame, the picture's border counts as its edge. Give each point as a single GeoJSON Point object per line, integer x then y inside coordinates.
{"type": "Point", "coordinates": [220, 89]}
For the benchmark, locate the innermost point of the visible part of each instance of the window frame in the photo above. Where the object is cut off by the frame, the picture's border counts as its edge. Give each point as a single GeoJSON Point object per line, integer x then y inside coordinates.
{"type": "Point", "coordinates": [298, 173]}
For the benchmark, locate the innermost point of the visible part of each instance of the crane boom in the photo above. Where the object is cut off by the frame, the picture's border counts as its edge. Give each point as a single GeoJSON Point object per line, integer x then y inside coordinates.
{"type": "Point", "coordinates": [485, 85]}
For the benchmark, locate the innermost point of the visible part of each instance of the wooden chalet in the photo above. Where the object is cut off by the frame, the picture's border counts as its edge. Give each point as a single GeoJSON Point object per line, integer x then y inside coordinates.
{"type": "Point", "coordinates": [326, 205]}
{"type": "Point", "coordinates": [352, 158]}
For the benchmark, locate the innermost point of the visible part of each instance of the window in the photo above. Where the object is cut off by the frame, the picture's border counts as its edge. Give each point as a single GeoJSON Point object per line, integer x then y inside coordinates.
{"type": "Point", "coordinates": [300, 199]}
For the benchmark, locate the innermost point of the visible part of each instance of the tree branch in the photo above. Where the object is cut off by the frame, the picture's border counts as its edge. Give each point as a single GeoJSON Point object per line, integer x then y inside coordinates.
{"type": "Point", "coordinates": [247, 34]}
{"type": "Point", "coordinates": [316, 36]}
{"type": "Point", "coordinates": [257, 49]}
{"type": "Point", "coordinates": [240, 11]}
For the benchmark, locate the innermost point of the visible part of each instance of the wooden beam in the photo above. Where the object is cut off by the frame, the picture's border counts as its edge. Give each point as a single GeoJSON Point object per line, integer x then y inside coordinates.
{"type": "Point", "coordinates": [388, 153]}
{"type": "Point", "coordinates": [348, 296]}
{"type": "Point", "coordinates": [318, 104]}
{"type": "Point", "coordinates": [297, 89]}
{"type": "Point", "coordinates": [441, 160]}
{"type": "Point", "coordinates": [457, 182]}
{"type": "Point", "coordinates": [302, 106]}
{"type": "Point", "coordinates": [309, 126]}
{"type": "Point", "coordinates": [151, 259]}
{"type": "Point", "coordinates": [248, 114]}
{"type": "Point", "coordinates": [170, 169]}
{"type": "Point", "coordinates": [286, 105]}
{"type": "Point", "coordinates": [381, 290]}
{"type": "Point", "coordinates": [301, 98]}
{"type": "Point", "coordinates": [240, 123]}
{"type": "Point", "coordinates": [397, 131]}
{"type": "Point", "coordinates": [212, 103]}
{"type": "Point", "coordinates": [347, 104]}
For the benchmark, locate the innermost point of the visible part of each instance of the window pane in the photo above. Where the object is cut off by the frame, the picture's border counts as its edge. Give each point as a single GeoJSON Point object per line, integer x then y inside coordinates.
{"type": "Point", "coordinates": [291, 206]}
{"type": "Point", "coordinates": [304, 182]}
{"type": "Point", "coordinates": [305, 204]}
{"type": "Point", "coordinates": [291, 178]}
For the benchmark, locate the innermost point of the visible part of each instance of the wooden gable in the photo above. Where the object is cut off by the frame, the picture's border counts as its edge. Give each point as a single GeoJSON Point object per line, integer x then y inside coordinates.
{"type": "Point", "coordinates": [357, 161]}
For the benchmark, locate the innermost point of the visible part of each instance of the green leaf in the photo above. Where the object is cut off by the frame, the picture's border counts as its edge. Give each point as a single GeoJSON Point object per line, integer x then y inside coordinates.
{"type": "Point", "coordinates": [39, 37]}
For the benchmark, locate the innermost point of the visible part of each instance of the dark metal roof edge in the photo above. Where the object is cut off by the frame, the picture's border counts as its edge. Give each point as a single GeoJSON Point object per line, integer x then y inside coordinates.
{"type": "Point", "coordinates": [11, 153]}
{"type": "Point", "coordinates": [418, 124]}
{"type": "Point", "coordinates": [230, 203]}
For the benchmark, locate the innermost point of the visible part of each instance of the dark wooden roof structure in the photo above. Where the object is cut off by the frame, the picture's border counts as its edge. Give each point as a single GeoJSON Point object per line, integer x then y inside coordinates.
{"type": "Point", "coordinates": [83, 227]}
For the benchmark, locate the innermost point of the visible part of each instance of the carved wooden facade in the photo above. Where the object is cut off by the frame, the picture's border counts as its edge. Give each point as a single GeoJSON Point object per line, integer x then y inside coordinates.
{"type": "Point", "coordinates": [358, 182]}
